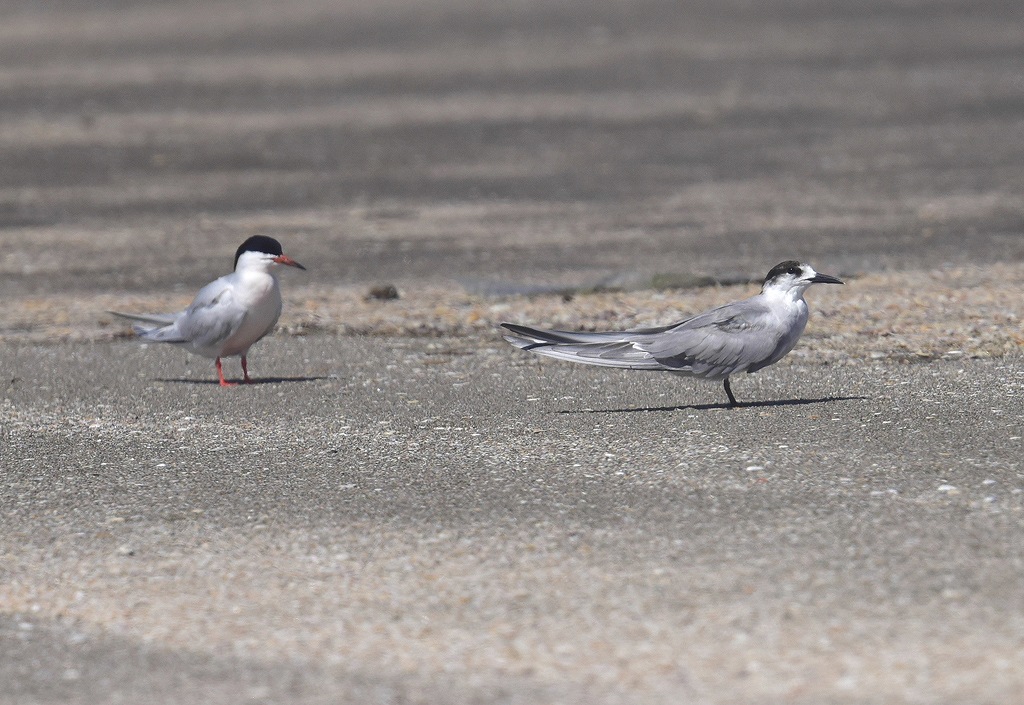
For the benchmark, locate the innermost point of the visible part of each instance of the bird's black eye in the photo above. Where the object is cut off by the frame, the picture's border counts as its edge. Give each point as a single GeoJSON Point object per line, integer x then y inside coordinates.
{"type": "Point", "coordinates": [793, 270]}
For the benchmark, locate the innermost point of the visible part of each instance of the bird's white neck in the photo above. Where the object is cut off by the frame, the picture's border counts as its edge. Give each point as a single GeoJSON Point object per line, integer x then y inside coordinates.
{"type": "Point", "coordinates": [792, 295]}
{"type": "Point", "coordinates": [254, 263]}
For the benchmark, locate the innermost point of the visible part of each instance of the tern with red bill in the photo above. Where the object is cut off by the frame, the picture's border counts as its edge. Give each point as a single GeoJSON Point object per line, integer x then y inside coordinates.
{"type": "Point", "coordinates": [743, 336]}
{"type": "Point", "coordinates": [229, 314]}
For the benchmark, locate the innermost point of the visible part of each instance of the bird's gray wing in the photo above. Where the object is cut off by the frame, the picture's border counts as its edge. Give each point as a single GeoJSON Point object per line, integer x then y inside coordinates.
{"type": "Point", "coordinates": [731, 338]}
{"type": "Point", "coordinates": [211, 318]}
{"type": "Point", "coordinates": [610, 349]}
{"type": "Point", "coordinates": [719, 342]}
{"type": "Point", "coordinates": [527, 335]}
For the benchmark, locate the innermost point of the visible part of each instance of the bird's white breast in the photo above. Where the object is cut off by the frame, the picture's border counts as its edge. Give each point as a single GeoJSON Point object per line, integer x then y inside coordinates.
{"type": "Point", "coordinates": [792, 319]}
{"type": "Point", "coordinates": [259, 294]}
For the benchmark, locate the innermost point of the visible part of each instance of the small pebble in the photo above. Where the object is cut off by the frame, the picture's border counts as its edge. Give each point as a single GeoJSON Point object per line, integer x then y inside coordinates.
{"type": "Point", "coordinates": [382, 292]}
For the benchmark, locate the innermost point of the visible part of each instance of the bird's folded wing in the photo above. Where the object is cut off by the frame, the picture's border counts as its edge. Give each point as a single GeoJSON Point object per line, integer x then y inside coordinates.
{"type": "Point", "coordinates": [525, 336]}
{"type": "Point", "coordinates": [730, 337]}
{"type": "Point", "coordinates": [212, 317]}
{"type": "Point", "coordinates": [612, 349]}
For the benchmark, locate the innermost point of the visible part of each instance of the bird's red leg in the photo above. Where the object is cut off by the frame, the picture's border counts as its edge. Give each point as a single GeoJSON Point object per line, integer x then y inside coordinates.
{"type": "Point", "coordinates": [220, 373]}
{"type": "Point", "coordinates": [245, 370]}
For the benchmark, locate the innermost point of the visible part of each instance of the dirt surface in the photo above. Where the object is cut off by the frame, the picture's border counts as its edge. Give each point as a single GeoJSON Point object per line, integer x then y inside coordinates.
{"type": "Point", "coordinates": [406, 510]}
{"type": "Point", "coordinates": [442, 520]}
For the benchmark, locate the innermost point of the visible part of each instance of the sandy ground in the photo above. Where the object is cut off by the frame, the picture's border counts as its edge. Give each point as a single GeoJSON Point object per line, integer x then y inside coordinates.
{"type": "Point", "coordinates": [406, 510]}
{"type": "Point", "coordinates": [964, 310]}
{"type": "Point", "coordinates": [437, 520]}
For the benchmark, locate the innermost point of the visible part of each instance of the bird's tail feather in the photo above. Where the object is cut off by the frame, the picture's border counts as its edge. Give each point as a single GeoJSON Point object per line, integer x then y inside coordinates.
{"type": "Point", "coordinates": [159, 327]}
{"type": "Point", "coordinates": [164, 334]}
{"type": "Point", "coordinates": [156, 319]}
{"type": "Point", "coordinates": [602, 349]}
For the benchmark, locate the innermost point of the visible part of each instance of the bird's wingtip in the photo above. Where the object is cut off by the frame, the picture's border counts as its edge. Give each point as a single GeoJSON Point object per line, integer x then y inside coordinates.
{"type": "Point", "coordinates": [516, 341]}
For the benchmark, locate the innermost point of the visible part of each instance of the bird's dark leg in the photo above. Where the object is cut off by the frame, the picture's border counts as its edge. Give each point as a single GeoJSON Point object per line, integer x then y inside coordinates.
{"type": "Point", "coordinates": [728, 391]}
{"type": "Point", "coordinates": [245, 370]}
{"type": "Point", "coordinates": [220, 374]}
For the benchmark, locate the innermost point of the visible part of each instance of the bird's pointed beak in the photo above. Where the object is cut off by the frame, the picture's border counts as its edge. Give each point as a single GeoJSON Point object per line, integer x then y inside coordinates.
{"type": "Point", "coordinates": [285, 259]}
{"type": "Point", "coordinates": [825, 279]}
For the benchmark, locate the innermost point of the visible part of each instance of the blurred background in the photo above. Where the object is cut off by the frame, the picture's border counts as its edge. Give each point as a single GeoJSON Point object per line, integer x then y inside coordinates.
{"type": "Point", "coordinates": [496, 144]}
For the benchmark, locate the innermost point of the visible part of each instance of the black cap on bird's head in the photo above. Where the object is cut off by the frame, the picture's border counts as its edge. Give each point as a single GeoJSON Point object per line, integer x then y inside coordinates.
{"type": "Point", "coordinates": [798, 272]}
{"type": "Point", "coordinates": [268, 246]}
{"type": "Point", "coordinates": [259, 243]}
{"type": "Point", "coordinates": [790, 267]}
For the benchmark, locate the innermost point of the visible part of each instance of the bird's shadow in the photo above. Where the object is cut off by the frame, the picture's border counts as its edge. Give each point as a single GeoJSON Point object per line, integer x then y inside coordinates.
{"type": "Point", "coordinates": [708, 407]}
{"type": "Point", "coordinates": [254, 381]}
